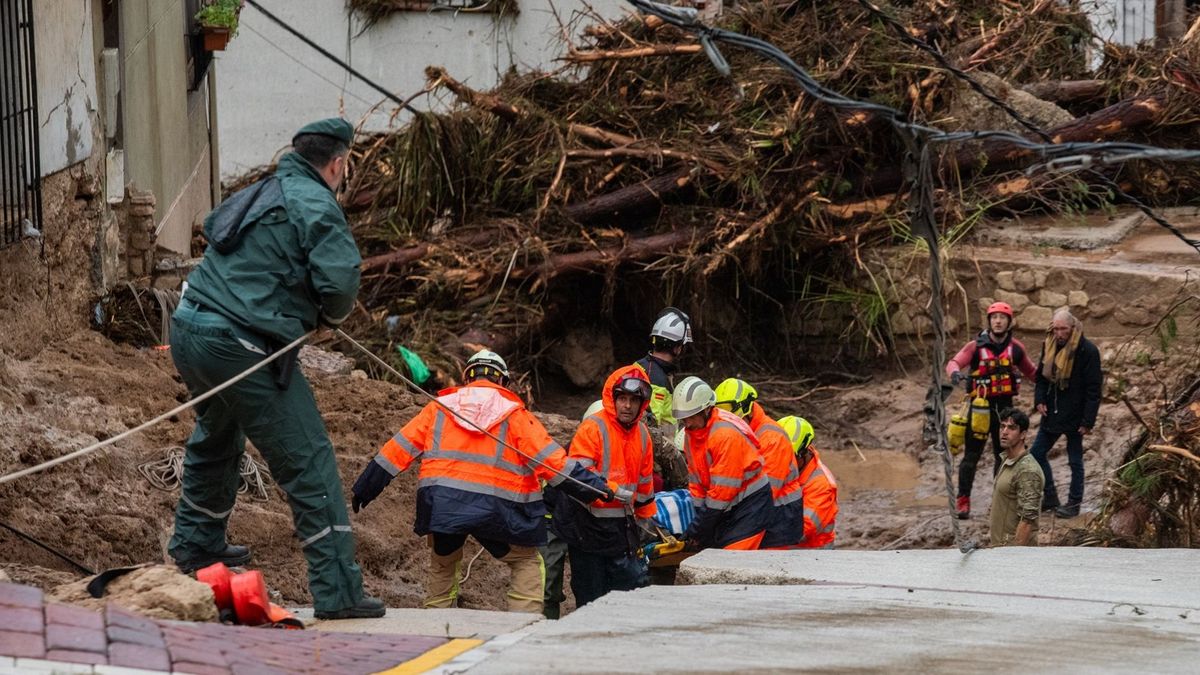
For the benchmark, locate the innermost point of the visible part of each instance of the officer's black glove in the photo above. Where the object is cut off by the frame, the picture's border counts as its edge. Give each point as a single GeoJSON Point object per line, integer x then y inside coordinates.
{"type": "Point", "coordinates": [956, 378]}
{"type": "Point", "coordinates": [369, 484]}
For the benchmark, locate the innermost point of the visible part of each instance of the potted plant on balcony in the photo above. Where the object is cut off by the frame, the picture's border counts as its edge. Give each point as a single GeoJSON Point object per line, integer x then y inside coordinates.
{"type": "Point", "coordinates": [218, 23]}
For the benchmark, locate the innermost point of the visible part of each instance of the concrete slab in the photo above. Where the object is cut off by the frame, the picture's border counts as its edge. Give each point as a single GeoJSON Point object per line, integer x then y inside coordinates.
{"type": "Point", "coordinates": [1164, 577]}
{"type": "Point", "coordinates": [1086, 232]}
{"type": "Point", "coordinates": [448, 623]}
{"type": "Point", "coordinates": [727, 628]}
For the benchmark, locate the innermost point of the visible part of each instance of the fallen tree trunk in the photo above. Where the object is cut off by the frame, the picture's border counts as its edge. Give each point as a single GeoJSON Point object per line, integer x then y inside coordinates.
{"type": "Point", "coordinates": [633, 249]}
{"type": "Point", "coordinates": [411, 254]}
{"type": "Point", "coordinates": [1066, 91]}
{"type": "Point", "coordinates": [630, 199]}
{"type": "Point", "coordinates": [997, 156]}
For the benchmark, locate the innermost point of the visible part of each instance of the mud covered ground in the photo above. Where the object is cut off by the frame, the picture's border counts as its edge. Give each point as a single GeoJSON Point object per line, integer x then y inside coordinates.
{"type": "Point", "coordinates": [102, 512]}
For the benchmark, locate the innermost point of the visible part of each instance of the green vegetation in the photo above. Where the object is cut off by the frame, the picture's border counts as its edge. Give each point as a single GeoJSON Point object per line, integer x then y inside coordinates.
{"type": "Point", "coordinates": [220, 14]}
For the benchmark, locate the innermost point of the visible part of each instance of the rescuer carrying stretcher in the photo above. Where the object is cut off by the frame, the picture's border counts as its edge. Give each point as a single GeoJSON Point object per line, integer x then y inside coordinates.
{"type": "Point", "coordinates": [481, 454]}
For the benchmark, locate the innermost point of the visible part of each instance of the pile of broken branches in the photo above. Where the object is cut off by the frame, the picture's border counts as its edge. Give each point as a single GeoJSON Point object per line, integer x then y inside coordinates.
{"type": "Point", "coordinates": [638, 155]}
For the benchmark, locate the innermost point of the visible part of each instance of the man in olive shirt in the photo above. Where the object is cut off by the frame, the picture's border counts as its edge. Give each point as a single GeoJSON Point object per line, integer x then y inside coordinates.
{"type": "Point", "coordinates": [1017, 496]}
{"type": "Point", "coordinates": [280, 262]}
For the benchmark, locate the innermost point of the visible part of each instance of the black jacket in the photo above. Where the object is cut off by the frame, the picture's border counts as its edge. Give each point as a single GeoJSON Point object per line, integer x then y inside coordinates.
{"type": "Point", "coordinates": [1077, 405]}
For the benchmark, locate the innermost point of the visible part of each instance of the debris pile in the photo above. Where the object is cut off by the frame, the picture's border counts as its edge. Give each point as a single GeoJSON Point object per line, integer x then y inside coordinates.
{"type": "Point", "coordinates": [1151, 500]}
{"type": "Point", "coordinates": [640, 163]}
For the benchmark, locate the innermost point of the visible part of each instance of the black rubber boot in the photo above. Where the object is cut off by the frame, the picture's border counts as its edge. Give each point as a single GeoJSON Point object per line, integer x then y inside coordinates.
{"type": "Point", "coordinates": [367, 608]}
{"type": "Point", "coordinates": [1068, 511]}
{"type": "Point", "coordinates": [232, 556]}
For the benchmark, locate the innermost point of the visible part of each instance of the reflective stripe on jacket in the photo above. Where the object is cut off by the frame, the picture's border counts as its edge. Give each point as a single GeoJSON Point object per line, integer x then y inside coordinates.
{"type": "Point", "coordinates": [730, 492]}
{"type": "Point", "coordinates": [820, 503]}
{"type": "Point", "coordinates": [624, 457]}
{"type": "Point", "coordinates": [787, 490]}
{"type": "Point", "coordinates": [469, 483]}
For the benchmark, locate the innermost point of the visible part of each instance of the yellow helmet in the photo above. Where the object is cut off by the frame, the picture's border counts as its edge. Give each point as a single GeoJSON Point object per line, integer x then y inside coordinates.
{"type": "Point", "coordinates": [735, 396]}
{"type": "Point", "coordinates": [799, 432]}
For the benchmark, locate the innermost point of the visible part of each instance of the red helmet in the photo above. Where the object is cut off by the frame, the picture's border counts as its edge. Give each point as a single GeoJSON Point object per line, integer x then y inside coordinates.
{"type": "Point", "coordinates": [1002, 307]}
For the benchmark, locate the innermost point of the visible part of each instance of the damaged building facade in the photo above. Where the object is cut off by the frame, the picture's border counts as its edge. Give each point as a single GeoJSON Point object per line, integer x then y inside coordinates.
{"type": "Point", "coordinates": [107, 155]}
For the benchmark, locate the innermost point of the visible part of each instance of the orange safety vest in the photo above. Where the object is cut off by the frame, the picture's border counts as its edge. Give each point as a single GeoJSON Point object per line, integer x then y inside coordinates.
{"type": "Point", "coordinates": [622, 456]}
{"type": "Point", "coordinates": [469, 483]}
{"type": "Point", "coordinates": [730, 492]}
{"type": "Point", "coordinates": [820, 503]}
{"type": "Point", "coordinates": [787, 490]}
{"type": "Point", "coordinates": [994, 372]}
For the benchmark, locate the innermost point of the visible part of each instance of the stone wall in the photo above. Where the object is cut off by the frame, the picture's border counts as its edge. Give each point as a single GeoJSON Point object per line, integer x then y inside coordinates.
{"type": "Point", "coordinates": [1110, 300]}
{"type": "Point", "coordinates": [47, 294]}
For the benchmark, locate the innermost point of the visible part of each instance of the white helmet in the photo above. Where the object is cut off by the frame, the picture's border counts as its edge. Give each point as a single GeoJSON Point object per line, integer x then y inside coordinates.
{"type": "Point", "coordinates": [691, 396]}
{"type": "Point", "coordinates": [484, 363]}
{"type": "Point", "coordinates": [594, 408]}
{"type": "Point", "coordinates": [672, 324]}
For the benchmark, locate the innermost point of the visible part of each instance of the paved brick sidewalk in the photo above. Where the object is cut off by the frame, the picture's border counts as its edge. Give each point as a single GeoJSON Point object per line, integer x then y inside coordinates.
{"type": "Point", "coordinates": [31, 629]}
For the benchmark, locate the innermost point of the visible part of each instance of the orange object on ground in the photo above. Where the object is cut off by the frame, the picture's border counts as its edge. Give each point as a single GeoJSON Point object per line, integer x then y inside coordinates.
{"type": "Point", "coordinates": [250, 601]}
{"type": "Point", "coordinates": [218, 576]}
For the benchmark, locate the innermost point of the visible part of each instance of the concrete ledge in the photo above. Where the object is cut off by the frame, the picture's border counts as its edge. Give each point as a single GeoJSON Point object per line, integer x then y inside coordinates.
{"type": "Point", "coordinates": [723, 628]}
{"type": "Point", "coordinates": [1163, 577]}
{"type": "Point", "coordinates": [447, 623]}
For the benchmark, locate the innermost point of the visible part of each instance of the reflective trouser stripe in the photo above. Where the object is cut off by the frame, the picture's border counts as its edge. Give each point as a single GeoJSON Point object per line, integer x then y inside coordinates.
{"type": "Point", "coordinates": [316, 537]}
{"type": "Point", "coordinates": [324, 533]}
{"type": "Point", "coordinates": [201, 509]}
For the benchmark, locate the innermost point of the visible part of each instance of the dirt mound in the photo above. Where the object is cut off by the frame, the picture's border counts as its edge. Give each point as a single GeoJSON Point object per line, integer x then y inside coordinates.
{"type": "Point", "coordinates": [157, 591]}
{"type": "Point", "coordinates": [100, 511]}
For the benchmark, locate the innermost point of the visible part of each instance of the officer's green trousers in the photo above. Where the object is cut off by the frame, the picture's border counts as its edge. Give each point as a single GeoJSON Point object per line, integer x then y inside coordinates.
{"type": "Point", "coordinates": [285, 427]}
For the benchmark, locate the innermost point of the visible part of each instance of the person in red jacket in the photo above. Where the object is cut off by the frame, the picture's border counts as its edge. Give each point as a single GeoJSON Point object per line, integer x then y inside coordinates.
{"type": "Point", "coordinates": [992, 363]}
{"type": "Point", "coordinates": [603, 536]}
{"type": "Point", "coordinates": [729, 489]}
{"type": "Point", "coordinates": [820, 487]}
{"type": "Point", "coordinates": [470, 484]}
{"type": "Point", "coordinates": [779, 463]}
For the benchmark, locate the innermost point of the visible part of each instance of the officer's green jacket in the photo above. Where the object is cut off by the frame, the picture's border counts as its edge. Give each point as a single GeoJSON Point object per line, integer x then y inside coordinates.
{"type": "Point", "coordinates": [296, 265]}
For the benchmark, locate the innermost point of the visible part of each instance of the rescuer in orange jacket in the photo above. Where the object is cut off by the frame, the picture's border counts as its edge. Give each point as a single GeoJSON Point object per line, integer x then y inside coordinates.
{"type": "Point", "coordinates": [471, 485]}
{"type": "Point", "coordinates": [602, 536]}
{"type": "Point", "coordinates": [786, 529]}
{"type": "Point", "coordinates": [820, 487]}
{"type": "Point", "coordinates": [731, 494]}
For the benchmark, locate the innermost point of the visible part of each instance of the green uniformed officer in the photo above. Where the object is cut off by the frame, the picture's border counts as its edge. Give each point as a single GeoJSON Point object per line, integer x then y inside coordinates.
{"type": "Point", "coordinates": [280, 262]}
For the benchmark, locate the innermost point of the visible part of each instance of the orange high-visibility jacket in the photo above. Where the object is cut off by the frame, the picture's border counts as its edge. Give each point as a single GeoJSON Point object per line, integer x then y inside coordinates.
{"type": "Point", "coordinates": [469, 483]}
{"type": "Point", "coordinates": [787, 490]}
{"type": "Point", "coordinates": [820, 503]}
{"type": "Point", "coordinates": [730, 492]}
{"type": "Point", "coordinates": [624, 458]}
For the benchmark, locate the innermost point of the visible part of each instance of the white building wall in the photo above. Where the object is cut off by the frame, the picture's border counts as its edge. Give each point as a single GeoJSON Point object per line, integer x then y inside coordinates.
{"type": "Point", "coordinates": [66, 81]}
{"type": "Point", "coordinates": [270, 83]}
{"type": "Point", "coordinates": [1125, 22]}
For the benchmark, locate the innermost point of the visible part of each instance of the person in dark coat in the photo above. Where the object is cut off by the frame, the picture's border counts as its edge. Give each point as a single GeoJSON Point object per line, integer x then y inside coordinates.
{"type": "Point", "coordinates": [1069, 384]}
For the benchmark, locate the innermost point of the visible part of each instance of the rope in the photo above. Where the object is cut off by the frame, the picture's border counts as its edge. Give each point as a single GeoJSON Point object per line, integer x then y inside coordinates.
{"type": "Point", "coordinates": [467, 575]}
{"type": "Point", "coordinates": [8, 478]}
{"type": "Point", "coordinates": [253, 479]}
{"type": "Point", "coordinates": [413, 385]}
{"type": "Point", "coordinates": [166, 474]}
